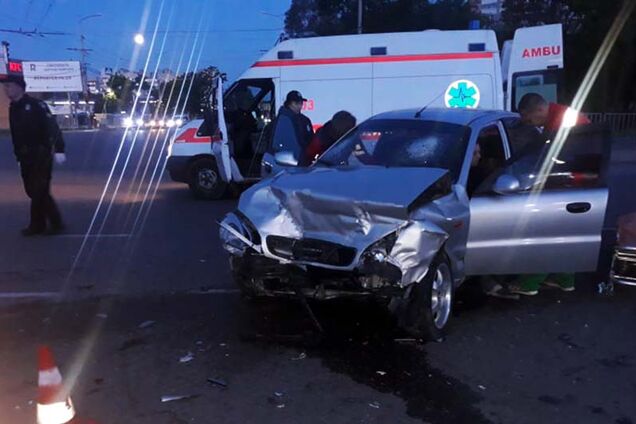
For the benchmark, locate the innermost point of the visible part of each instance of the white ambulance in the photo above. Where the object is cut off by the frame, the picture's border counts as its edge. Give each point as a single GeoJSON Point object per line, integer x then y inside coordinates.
{"type": "Point", "coordinates": [365, 75]}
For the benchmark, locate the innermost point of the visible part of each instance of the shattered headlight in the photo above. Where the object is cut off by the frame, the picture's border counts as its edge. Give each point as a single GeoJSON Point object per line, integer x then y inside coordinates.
{"type": "Point", "coordinates": [380, 250]}
{"type": "Point", "coordinates": [377, 264]}
{"type": "Point", "coordinates": [237, 234]}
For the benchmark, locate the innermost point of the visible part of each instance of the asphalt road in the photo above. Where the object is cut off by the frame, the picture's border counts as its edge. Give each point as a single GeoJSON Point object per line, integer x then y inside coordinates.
{"type": "Point", "coordinates": [121, 307]}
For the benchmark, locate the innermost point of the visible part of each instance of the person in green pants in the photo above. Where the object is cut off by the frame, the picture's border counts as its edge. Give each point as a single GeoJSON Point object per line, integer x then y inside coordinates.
{"type": "Point", "coordinates": [529, 284]}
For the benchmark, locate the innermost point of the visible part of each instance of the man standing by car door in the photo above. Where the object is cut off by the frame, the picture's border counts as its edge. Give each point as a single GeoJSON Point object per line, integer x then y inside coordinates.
{"type": "Point", "coordinates": [293, 131]}
{"type": "Point", "coordinates": [37, 141]}
{"type": "Point", "coordinates": [543, 118]}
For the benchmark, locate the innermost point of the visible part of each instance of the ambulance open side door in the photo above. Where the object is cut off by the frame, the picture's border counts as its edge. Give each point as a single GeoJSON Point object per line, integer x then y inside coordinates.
{"type": "Point", "coordinates": [533, 63]}
{"type": "Point", "coordinates": [221, 144]}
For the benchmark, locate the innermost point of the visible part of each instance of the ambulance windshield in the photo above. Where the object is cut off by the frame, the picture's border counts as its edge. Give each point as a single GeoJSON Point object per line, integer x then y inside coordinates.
{"type": "Point", "coordinates": [401, 143]}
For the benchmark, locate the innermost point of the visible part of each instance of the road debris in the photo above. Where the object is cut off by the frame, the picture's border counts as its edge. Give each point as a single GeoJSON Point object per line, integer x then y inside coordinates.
{"type": "Point", "coordinates": [278, 400]}
{"type": "Point", "coordinates": [299, 357]}
{"type": "Point", "coordinates": [147, 324]}
{"type": "Point", "coordinates": [481, 387]}
{"type": "Point", "coordinates": [130, 343]}
{"type": "Point", "coordinates": [187, 358]}
{"type": "Point", "coordinates": [172, 398]}
{"type": "Point", "coordinates": [382, 373]}
{"type": "Point", "coordinates": [375, 405]}
{"type": "Point", "coordinates": [218, 382]}
{"type": "Point", "coordinates": [406, 340]}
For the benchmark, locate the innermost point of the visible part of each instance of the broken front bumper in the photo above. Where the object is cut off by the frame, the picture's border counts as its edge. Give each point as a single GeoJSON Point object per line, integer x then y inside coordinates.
{"type": "Point", "coordinates": [624, 266]}
{"type": "Point", "coordinates": [263, 276]}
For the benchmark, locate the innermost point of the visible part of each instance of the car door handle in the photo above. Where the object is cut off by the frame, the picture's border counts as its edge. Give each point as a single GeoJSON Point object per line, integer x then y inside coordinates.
{"type": "Point", "coordinates": [579, 207]}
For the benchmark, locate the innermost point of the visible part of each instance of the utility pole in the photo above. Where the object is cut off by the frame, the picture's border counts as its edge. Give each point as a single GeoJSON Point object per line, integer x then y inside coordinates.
{"type": "Point", "coordinates": [83, 51]}
{"type": "Point", "coordinates": [360, 7]}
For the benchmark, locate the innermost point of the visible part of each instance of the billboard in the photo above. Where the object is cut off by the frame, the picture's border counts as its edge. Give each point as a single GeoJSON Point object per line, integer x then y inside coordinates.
{"type": "Point", "coordinates": [52, 76]}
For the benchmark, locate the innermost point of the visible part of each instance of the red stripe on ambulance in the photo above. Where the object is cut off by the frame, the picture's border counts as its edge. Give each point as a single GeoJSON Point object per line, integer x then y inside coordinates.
{"type": "Point", "coordinates": [374, 59]}
{"type": "Point", "coordinates": [190, 136]}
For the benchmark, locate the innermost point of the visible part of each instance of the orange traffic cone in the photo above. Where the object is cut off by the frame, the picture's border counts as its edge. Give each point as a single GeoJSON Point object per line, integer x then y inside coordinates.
{"type": "Point", "coordinates": [54, 404]}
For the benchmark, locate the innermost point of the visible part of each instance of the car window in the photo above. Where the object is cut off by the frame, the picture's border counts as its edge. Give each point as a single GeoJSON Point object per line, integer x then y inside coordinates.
{"type": "Point", "coordinates": [578, 164]}
{"type": "Point", "coordinates": [492, 157]}
{"type": "Point", "coordinates": [520, 135]}
{"type": "Point", "coordinates": [401, 143]}
{"type": "Point", "coordinates": [250, 99]}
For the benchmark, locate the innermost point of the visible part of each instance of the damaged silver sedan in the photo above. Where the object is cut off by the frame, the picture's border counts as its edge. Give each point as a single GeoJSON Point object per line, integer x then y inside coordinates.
{"type": "Point", "coordinates": [389, 212]}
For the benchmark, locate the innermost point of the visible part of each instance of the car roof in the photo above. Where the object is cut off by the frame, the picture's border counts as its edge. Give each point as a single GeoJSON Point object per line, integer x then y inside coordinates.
{"type": "Point", "coordinates": [457, 116]}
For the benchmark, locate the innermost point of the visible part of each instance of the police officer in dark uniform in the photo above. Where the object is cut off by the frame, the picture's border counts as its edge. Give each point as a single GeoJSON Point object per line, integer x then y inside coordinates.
{"type": "Point", "coordinates": [37, 142]}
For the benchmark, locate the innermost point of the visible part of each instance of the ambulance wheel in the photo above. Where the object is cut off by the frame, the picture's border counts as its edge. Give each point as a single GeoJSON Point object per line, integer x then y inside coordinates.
{"type": "Point", "coordinates": [429, 302]}
{"type": "Point", "coordinates": [205, 180]}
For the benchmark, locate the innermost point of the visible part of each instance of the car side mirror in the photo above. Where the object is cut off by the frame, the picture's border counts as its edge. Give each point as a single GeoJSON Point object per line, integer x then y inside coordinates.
{"type": "Point", "coordinates": [506, 184]}
{"type": "Point", "coordinates": [286, 159]}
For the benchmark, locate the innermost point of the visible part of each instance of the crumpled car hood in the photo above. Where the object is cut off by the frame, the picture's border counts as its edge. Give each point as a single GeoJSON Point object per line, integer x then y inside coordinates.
{"type": "Point", "coordinates": [351, 206]}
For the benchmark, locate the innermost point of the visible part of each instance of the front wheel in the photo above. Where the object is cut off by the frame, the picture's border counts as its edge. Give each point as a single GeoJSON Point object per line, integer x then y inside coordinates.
{"type": "Point", "coordinates": [205, 180]}
{"type": "Point", "coordinates": [429, 302]}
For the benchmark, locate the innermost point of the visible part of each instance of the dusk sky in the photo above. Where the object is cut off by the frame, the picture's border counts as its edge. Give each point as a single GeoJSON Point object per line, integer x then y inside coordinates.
{"type": "Point", "coordinates": [233, 32]}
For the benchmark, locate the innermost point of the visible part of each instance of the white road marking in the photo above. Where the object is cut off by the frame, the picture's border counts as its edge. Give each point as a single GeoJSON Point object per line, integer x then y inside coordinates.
{"type": "Point", "coordinates": [216, 291]}
{"type": "Point", "coordinates": [94, 235]}
{"type": "Point", "coordinates": [47, 295]}
{"type": "Point", "coordinates": [26, 295]}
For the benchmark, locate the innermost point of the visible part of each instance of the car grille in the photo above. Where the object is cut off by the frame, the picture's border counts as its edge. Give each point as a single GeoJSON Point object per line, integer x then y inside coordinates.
{"type": "Point", "coordinates": [311, 250]}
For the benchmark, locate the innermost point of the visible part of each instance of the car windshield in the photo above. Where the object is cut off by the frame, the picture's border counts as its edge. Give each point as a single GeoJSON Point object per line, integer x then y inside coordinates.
{"type": "Point", "coordinates": [401, 143]}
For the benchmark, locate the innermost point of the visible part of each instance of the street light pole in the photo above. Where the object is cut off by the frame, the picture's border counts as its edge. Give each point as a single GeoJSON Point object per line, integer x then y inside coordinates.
{"type": "Point", "coordinates": [360, 7]}
{"type": "Point", "coordinates": [84, 53]}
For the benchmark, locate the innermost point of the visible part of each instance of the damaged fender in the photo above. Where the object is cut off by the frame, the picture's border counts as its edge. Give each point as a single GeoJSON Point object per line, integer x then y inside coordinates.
{"type": "Point", "coordinates": [416, 246]}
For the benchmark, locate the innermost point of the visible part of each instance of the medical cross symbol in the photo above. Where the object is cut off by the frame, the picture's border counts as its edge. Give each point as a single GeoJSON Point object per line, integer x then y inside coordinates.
{"type": "Point", "coordinates": [462, 94]}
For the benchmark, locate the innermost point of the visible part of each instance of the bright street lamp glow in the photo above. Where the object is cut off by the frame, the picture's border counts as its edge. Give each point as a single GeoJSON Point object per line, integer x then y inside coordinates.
{"type": "Point", "coordinates": [139, 39]}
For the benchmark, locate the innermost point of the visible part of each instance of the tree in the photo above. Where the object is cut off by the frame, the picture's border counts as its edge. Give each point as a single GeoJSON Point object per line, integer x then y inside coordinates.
{"type": "Point", "coordinates": [334, 17]}
{"type": "Point", "coordinates": [106, 103]}
{"type": "Point", "coordinates": [195, 89]}
{"type": "Point", "coordinates": [119, 95]}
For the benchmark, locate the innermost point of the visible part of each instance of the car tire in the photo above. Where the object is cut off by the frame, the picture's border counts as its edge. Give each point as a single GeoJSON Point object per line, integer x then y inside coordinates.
{"type": "Point", "coordinates": [205, 180]}
{"type": "Point", "coordinates": [428, 304]}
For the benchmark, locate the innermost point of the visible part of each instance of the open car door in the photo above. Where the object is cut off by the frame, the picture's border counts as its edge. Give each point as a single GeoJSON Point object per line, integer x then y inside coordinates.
{"type": "Point", "coordinates": [533, 63]}
{"type": "Point", "coordinates": [551, 218]}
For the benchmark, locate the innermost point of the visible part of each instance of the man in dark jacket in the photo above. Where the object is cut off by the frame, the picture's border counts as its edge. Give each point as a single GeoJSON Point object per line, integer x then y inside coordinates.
{"type": "Point", "coordinates": [293, 131]}
{"type": "Point", "coordinates": [37, 141]}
